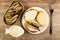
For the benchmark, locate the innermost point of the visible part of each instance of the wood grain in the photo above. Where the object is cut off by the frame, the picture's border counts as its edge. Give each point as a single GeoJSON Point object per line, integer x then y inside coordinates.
{"type": "Point", "coordinates": [4, 5]}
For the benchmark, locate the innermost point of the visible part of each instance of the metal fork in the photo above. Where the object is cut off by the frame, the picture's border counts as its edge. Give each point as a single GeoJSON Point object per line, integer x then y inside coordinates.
{"type": "Point", "coordinates": [51, 12]}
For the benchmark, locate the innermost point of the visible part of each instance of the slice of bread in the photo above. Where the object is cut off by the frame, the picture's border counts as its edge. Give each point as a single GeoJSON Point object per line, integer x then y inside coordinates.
{"type": "Point", "coordinates": [42, 18]}
{"type": "Point", "coordinates": [30, 27]}
{"type": "Point", "coordinates": [30, 15]}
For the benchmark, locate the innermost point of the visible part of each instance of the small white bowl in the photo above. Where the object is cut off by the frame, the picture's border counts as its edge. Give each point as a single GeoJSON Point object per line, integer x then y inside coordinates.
{"type": "Point", "coordinates": [14, 31]}
{"type": "Point", "coordinates": [43, 28]}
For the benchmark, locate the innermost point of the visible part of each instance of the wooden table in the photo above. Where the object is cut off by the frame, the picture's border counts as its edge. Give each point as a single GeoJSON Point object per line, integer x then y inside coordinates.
{"type": "Point", "coordinates": [4, 5]}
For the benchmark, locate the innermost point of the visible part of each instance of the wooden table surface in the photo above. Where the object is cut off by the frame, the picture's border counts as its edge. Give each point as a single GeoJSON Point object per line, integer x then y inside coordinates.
{"type": "Point", "coordinates": [4, 5]}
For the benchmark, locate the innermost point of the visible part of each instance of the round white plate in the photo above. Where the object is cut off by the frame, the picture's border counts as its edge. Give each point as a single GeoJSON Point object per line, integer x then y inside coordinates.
{"type": "Point", "coordinates": [43, 28]}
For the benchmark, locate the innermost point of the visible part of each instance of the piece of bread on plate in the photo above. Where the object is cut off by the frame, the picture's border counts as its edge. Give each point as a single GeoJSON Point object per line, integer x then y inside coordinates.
{"type": "Point", "coordinates": [42, 18]}
{"type": "Point", "coordinates": [30, 15]}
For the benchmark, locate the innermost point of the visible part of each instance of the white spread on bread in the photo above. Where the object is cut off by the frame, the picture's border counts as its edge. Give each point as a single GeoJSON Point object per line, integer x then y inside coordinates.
{"type": "Point", "coordinates": [30, 15]}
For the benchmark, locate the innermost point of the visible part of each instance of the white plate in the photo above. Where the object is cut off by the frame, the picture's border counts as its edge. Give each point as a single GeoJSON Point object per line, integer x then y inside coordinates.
{"type": "Point", "coordinates": [43, 28]}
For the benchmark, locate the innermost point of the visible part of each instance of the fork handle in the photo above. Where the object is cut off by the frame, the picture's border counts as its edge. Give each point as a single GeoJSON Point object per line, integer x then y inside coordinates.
{"type": "Point", "coordinates": [50, 24]}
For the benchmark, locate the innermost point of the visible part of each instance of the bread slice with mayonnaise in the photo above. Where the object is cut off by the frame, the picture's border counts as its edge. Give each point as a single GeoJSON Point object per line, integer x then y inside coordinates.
{"type": "Point", "coordinates": [30, 15]}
